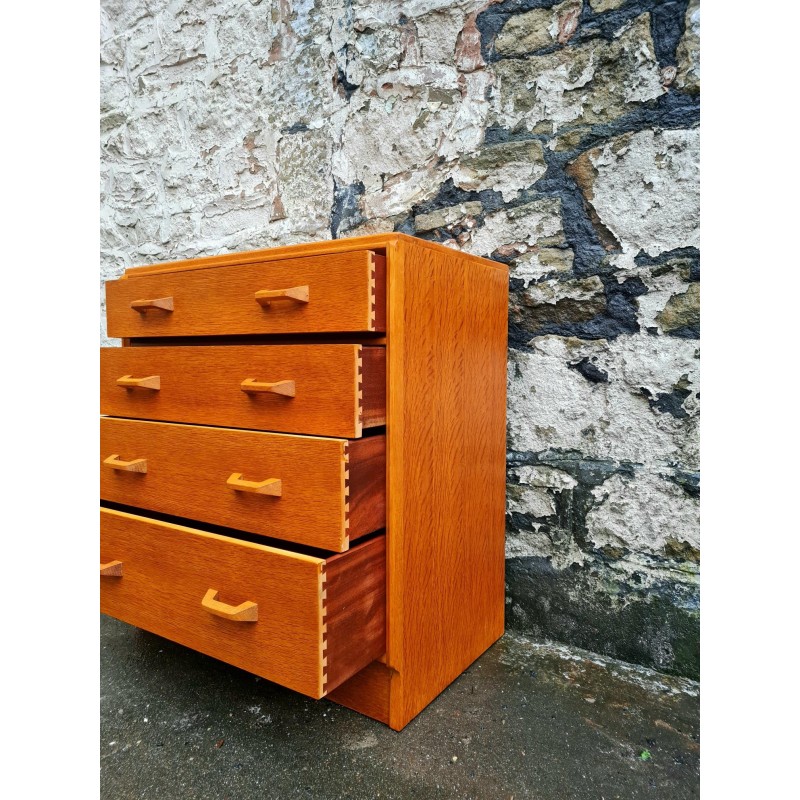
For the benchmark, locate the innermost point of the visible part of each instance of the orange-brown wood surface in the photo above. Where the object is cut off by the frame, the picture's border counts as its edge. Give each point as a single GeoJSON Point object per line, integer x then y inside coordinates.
{"type": "Point", "coordinates": [341, 297]}
{"type": "Point", "coordinates": [366, 485]}
{"type": "Point", "coordinates": [355, 618]}
{"type": "Point", "coordinates": [188, 468]}
{"type": "Point", "coordinates": [367, 692]}
{"type": "Point", "coordinates": [168, 570]}
{"type": "Point", "coordinates": [447, 352]}
{"type": "Point", "coordinates": [204, 385]}
{"type": "Point", "coordinates": [378, 243]}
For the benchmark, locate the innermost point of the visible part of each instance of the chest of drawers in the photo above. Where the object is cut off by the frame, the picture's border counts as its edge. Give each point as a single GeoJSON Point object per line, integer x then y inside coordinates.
{"type": "Point", "coordinates": [303, 464]}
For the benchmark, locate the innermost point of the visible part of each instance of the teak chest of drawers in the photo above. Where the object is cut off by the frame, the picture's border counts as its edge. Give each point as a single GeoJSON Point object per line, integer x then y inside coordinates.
{"type": "Point", "coordinates": [303, 464]}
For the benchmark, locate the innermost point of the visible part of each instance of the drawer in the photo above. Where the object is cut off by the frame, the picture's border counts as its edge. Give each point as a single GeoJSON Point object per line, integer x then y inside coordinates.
{"type": "Point", "coordinates": [309, 490]}
{"type": "Point", "coordinates": [307, 623]}
{"type": "Point", "coordinates": [342, 292]}
{"type": "Point", "coordinates": [322, 389]}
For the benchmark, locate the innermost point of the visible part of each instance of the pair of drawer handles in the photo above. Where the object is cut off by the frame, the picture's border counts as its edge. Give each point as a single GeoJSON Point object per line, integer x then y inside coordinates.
{"type": "Point", "coordinates": [270, 486]}
{"type": "Point", "coordinates": [248, 385]}
{"type": "Point", "coordinates": [244, 612]}
{"type": "Point", "coordinates": [299, 294]}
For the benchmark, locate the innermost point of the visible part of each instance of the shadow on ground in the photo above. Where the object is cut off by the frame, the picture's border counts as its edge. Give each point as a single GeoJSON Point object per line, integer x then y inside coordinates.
{"type": "Point", "coordinates": [527, 720]}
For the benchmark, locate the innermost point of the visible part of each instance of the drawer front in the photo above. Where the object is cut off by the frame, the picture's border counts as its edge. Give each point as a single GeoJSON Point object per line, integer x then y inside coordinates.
{"type": "Point", "coordinates": [325, 389]}
{"type": "Point", "coordinates": [294, 619]}
{"type": "Point", "coordinates": [333, 293]}
{"type": "Point", "coordinates": [299, 488]}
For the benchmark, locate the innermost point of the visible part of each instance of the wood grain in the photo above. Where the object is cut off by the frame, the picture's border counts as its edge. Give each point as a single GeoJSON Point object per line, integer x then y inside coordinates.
{"type": "Point", "coordinates": [355, 617]}
{"type": "Point", "coordinates": [188, 467]}
{"type": "Point", "coordinates": [169, 570]}
{"type": "Point", "coordinates": [367, 692]}
{"type": "Point", "coordinates": [204, 385]}
{"type": "Point", "coordinates": [446, 360]}
{"type": "Point", "coordinates": [366, 485]}
{"type": "Point", "coordinates": [222, 301]}
{"type": "Point", "coordinates": [445, 317]}
{"type": "Point", "coordinates": [378, 243]}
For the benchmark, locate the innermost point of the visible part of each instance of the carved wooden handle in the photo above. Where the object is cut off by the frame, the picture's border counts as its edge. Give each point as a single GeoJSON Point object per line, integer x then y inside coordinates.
{"type": "Point", "coordinates": [111, 570]}
{"type": "Point", "coordinates": [137, 465]}
{"type": "Point", "coordinates": [150, 382]}
{"type": "Point", "coordinates": [163, 303]}
{"type": "Point", "coordinates": [285, 388]}
{"type": "Point", "coordinates": [297, 293]}
{"type": "Point", "coordinates": [244, 612]}
{"type": "Point", "coordinates": [269, 486]}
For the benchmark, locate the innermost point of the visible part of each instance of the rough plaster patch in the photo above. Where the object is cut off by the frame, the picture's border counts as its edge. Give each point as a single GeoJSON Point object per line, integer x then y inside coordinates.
{"type": "Point", "coordinates": [544, 477]}
{"type": "Point", "coordinates": [642, 514]}
{"type": "Point", "coordinates": [524, 225]}
{"type": "Point", "coordinates": [530, 500]}
{"type": "Point", "coordinates": [540, 262]}
{"type": "Point", "coordinates": [660, 290]}
{"type": "Point", "coordinates": [647, 191]}
{"type": "Point", "coordinates": [553, 406]}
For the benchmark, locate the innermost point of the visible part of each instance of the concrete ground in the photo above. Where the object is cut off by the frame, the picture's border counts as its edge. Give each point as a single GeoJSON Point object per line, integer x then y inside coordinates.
{"type": "Point", "coordinates": [527, 720]}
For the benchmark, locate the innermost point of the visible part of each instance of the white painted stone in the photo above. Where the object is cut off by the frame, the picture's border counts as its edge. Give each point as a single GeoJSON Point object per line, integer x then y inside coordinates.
{"type": "Point", "coordinates": [539, 262]}
{"type": "Point", "coordinates": [552, 292]}
{"type": "Point", "coordinates": [544, 477]}
{"type": "Point", "coordinates": [526, 225]}
{"type": "Point", "coordinates": [551, 406]}
{"type": "Point", "coordinates": [530, 500]}
{"type": "Point", "coordinates": [647, 191]}
{"type": "Point", "coordinates": [642, 513]}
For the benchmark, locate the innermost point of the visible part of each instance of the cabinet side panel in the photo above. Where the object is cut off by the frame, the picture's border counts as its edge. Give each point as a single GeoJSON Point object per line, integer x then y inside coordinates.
{"type": "Point", "coordinates": [446, 470]}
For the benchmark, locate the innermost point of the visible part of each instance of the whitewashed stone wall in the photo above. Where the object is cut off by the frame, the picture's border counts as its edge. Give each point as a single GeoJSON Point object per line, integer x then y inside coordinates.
{"type": "Point", "coordinates": [560, 138]}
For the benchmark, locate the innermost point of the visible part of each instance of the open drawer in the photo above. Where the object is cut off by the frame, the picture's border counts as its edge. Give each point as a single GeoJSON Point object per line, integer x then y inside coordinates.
{"type": "Point", "coordinates": [308, 623]}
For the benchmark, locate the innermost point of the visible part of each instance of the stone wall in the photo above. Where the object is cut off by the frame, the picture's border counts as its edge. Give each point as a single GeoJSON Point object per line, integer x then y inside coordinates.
{"type": "Point", "coordinates": [559, 138]}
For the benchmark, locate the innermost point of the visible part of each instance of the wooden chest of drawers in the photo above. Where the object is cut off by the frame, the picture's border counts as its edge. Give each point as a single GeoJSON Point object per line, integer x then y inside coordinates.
{"type": "Point", "coordinates": [303, 464]}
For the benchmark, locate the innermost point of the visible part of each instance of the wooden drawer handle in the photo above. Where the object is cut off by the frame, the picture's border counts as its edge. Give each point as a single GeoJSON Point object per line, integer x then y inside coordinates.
{"type": "Point", "coordinates": [269, 486]}
{"type": "Point", "coordinates": [297, 293]}
{"type": "Point", "coordinates": [163, 303]}
{"type": "Point", "coordinates": [111, 570]}
{"type": "Point", "coordinates": [244, 612]}
{"type": "Point", "coordinates": [286, 388]}
{"type": "Point", "coordinates": [137, 465]}
{"type": "Point", "coordinates": [150, 382]}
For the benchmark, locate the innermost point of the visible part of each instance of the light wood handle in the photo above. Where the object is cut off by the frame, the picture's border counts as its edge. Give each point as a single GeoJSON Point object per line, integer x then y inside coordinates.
{"type": "Point", "coordinates": [244, 612]}
{"type": "Point", "coordinates": [150, 382]}
{"type": "Point", "coordinates": [137, 465]}
{"type": "Point", "coordinates": [297, 293]}
{"type": "Point", "coordinates": [285, 388]}
{"type": "Point", "coordinates": [111, 570]}
{"type": "Point", "coordinates": [270, 486]}
{"type": "Point", "coordinates": [164, 303]}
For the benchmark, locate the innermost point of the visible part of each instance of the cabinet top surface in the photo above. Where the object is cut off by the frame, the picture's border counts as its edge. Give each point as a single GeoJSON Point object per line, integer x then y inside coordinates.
{"type": "Point", "coordinates": [376, 242]}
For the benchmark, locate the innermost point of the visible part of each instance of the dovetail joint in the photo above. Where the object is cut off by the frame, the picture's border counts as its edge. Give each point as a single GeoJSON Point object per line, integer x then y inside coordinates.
{"type": "Point", "coordinates": [324, 630]}
{"type": "Point", "coordinates": [346, 466]}
{"type": "Point", "coordinates": [372, 292]}
{"type": "Point", "coordinates": [360, 389]}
